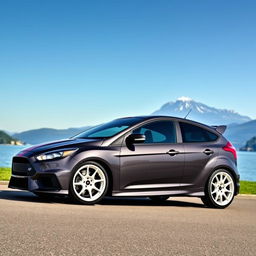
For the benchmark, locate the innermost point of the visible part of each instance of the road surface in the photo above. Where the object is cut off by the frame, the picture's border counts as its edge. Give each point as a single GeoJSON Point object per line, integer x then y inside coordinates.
{"type": "Point", "coordinates": [180, 226]}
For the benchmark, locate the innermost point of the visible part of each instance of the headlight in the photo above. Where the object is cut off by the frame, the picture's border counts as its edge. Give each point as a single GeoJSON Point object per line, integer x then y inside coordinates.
{"type": "Point", "coordinates": [53, 155]}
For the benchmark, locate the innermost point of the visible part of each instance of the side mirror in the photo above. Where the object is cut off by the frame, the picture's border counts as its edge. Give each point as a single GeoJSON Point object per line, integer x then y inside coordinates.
{"type": "Point", "coordinates": [136, 138]}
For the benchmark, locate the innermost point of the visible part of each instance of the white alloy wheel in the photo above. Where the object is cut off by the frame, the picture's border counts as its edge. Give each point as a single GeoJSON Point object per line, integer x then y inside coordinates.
{"type": "Point", "coordinates": [222, 188]}
{"type": "Point", "coordinates": [89, 183]}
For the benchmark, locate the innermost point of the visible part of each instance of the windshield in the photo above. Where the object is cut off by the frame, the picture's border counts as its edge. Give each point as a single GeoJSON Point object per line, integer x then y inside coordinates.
{"type": "Point", "coordinates": [109, 129]}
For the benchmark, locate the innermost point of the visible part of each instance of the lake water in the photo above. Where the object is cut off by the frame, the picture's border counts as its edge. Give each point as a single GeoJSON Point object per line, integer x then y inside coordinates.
{"type": "Point", "coordinates": [246, 160]}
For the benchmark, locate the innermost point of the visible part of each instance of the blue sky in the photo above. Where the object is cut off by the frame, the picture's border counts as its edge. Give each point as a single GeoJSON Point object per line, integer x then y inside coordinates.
{"type": "Point", "coordinates": [76, 63]}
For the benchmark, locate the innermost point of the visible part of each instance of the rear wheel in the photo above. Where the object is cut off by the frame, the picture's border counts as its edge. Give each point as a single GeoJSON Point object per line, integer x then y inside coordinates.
{"type": "Point", "coordinates": [220, 190]}
{"type": "Point", "coordinates": [159, 198]}
{"type": "Point", "coordinates": [89, 183]}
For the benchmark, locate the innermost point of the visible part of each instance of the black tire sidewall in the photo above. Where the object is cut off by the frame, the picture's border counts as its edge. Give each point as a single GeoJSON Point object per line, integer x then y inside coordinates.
{"type": "Point", "coordinates": [72, 193]}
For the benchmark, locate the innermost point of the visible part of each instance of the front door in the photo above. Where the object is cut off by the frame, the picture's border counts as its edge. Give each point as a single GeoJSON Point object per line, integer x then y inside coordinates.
{"type": "Point", "coordinates": [157, 164]}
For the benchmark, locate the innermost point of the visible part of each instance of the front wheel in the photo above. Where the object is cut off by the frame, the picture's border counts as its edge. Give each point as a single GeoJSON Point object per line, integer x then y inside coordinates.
{"type": "Point", "coordinates": [89, 183]}
{"type": "Point", "coordinates": [220, 190]}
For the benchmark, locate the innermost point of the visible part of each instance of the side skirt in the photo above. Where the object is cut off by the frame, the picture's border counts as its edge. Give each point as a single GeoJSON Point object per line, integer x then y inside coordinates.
{"type": "Point", "coordinates": [160, 193]}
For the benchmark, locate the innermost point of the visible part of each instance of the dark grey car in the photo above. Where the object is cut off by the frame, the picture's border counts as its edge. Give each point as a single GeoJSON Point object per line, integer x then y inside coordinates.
{"type": "Point", "coordinates": [151, 156]}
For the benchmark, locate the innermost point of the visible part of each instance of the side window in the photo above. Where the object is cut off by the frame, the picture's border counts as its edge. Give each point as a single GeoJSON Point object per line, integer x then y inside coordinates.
{"type": "Point", "coordinates": [158, 132]}
{"type": "Point", "coordinates": [193, 133]}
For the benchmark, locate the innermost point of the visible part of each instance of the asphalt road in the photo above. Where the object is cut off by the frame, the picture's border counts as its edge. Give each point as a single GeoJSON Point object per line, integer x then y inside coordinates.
{"type": "Point", "coordinates": [180, 226]}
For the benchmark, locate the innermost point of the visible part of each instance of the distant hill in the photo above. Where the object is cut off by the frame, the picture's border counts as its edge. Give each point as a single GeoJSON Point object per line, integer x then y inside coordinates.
{"type": "Point", "coordinates": [240, 133]}
{"type": "Point", "coordinates": [240, 128]}
{"type": "Point", "coordinates": [7, 139]}
{"type": "Point", "coordinates": [38, 136]}
{"type": "Point", "coordinates": [200, 112]}
{"type": "Point", "coordinates": [250, 145]}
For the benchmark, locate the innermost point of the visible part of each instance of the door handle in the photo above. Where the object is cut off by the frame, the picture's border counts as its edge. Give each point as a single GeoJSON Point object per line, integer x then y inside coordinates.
{"type": "Point", "coordinates": [172, 152]}
{"type": "Point", "coordinates": [208, 151]}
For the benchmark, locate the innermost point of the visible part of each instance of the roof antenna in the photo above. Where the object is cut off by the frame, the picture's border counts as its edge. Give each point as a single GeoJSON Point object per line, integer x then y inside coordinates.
{"type": "Point", "coordinates": [188, 113]}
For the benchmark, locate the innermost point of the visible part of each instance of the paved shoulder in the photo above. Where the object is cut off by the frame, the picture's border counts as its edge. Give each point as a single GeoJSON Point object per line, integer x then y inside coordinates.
{"type": "Point", "coordinates": [180, 226]}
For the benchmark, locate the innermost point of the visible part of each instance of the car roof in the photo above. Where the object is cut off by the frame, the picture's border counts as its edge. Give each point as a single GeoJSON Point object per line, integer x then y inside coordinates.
{"type": "Point", "coordinates": [149, 117]}
{"type": "Point", "coordinates": [144, 118]}
{"type": "Point", "coordinates": [159, 117]}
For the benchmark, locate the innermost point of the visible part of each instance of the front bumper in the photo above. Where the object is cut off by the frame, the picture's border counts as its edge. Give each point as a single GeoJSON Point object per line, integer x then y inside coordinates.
{"type": "Point", "coordinates": [47, 177]}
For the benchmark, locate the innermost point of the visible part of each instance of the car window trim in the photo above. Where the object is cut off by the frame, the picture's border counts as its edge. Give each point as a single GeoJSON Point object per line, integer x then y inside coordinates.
{"type": "Point", "coordinates": [152, 121]}
{"type": "Point", "coordinates": [202, 127]}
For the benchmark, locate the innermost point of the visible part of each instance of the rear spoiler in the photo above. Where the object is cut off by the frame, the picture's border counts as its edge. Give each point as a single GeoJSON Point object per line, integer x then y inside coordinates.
{"type": "Point", "coordinates": [220, 128]}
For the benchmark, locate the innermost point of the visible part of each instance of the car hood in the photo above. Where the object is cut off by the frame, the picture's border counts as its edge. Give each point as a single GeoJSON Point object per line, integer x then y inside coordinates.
{"type": "Point", "coordinates": [60, 144]}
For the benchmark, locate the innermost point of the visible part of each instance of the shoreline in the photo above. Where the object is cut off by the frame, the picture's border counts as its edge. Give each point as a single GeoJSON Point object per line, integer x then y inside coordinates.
{"type": "Point", "coordinates": [13, 144]}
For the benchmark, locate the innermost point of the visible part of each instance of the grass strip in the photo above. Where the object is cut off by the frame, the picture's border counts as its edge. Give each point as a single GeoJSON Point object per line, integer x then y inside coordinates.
{"type": "Point", "coordinates": [246, 187]}
{"type": "Point", "coordinates": [5, 173]}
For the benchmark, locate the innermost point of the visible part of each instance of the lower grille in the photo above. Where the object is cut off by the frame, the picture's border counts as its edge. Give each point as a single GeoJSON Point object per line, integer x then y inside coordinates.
{"type": "Point", "coordinates": [22, 167]}
{"type": "Point", "coordinates": [20, 183]}
{"type": "Point", "coordinates": [48, 182]}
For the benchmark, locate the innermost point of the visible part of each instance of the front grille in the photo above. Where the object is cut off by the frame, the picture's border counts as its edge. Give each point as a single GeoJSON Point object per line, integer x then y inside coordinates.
{"type": "Point", "coordinates": [22, 167]}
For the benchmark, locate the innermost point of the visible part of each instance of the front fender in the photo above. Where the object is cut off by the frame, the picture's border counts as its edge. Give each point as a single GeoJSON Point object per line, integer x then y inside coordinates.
{"type": "Point", "coordinates": [109, 157]}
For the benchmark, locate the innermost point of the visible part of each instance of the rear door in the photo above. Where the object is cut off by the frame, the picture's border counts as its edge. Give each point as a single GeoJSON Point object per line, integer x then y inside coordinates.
{"type": "Point", "coordinates": [200, 151]}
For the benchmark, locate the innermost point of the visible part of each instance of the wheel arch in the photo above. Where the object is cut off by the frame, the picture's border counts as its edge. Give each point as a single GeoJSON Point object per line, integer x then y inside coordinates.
{"type": "Point", "coordinates": [105, 165]}
{"type": "Point", "coordinates": [227, 168]}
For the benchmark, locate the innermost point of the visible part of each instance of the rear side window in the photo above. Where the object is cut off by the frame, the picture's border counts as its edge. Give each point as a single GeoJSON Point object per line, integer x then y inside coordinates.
{"type": "Point", "coordinates": [193, 133]}
{"type": "Point", "coordinates": [158, 132]}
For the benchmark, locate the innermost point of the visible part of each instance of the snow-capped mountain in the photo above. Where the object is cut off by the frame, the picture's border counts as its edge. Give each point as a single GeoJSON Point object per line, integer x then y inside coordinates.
{"type": "Point", "coordinates": [200, 112]}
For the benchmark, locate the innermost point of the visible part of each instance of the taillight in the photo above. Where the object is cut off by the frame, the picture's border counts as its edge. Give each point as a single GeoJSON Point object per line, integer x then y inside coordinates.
{"type": "Point", "coordinates": [230, 148]}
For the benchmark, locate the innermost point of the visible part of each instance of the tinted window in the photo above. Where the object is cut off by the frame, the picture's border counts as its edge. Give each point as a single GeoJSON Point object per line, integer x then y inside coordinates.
{"type": "Point", "coordinates": [158, 132]}
{"type": "Point", "coordinates": [109, 129]}
{"type": "Point", "coordinates": [193, 133]}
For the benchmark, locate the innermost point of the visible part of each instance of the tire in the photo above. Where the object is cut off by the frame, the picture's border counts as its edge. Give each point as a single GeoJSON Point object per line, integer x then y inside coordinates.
{"type": "Point", "coordinates": [89, 183]}
{"type": "Point", "coordinates": [159, 198]}
{"type": "Point", "coordinates": [220, 190]}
